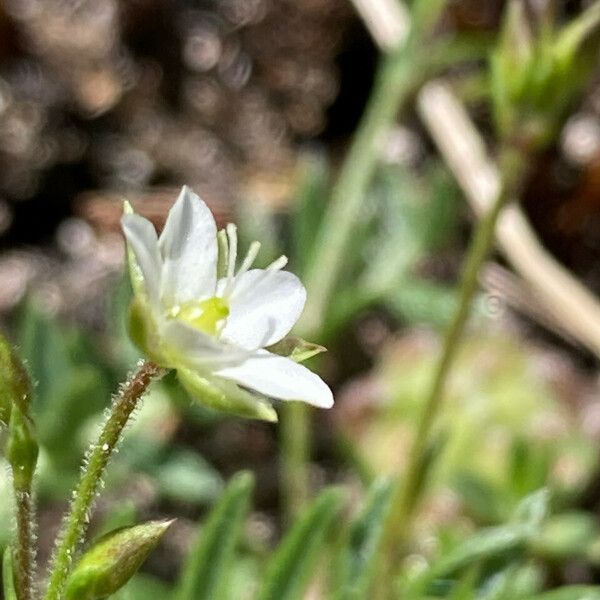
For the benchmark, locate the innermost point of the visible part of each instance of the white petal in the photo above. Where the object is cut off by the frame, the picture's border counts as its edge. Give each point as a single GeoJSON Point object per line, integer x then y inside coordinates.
{"type": "Point", "coordinates": [142, 241]}
{"type": "Point", "coordinates": [188, 346]}
{"type": "Point", "coordinates": [263, 307]}
{"type": "Point", "coordinates": [188, 245]}
{"type": "Point", "coordinates": [279, 377]}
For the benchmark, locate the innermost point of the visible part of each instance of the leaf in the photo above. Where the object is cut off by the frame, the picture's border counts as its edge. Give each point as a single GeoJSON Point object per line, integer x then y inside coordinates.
{"type": "Point", "coordinates": [112, 561]}
{"type": "Point", "coordinates": [309, 208]}
{"type": "Point", "coordinates": [485, 544]}
{"type": "Point", "coordinates": [533, 509]}
{"type": "Point", "coordinates": [206, 573]}
{"type": "Point", "coordinates": [570, 592]}
{"type": "Point", "coordinates": [290, 569]}
{"type": "Point", "coordinates": [484, 500]}
{"type": "Point", "coordinates": [8, 582]}
{"type": "Point", "coordinates": [357, 566]}
{"type": "Point", "coordinates": [465, 588]}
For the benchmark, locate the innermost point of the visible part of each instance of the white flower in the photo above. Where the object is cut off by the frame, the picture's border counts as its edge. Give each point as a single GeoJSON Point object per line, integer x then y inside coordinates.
{"type": "Point", "coordinates": [213, 330]}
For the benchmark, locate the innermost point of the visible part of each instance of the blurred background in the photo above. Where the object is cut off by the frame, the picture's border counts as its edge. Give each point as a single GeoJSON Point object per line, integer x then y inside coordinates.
{"type": "Point", "coordinates": [255, 104]}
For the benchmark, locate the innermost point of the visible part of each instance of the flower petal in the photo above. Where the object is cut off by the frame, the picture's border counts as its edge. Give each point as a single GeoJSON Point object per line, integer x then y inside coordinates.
{"type": "Point", "coordinates": [279, 377]}
{"type": "Point", "coordinates": [263, 307]}
{"type": "Point", "coordinates": [144, 257]}
{"type": "Point", "coordinates": [188, 245]}
{"type": "Point", "coordinates": [188, 346]}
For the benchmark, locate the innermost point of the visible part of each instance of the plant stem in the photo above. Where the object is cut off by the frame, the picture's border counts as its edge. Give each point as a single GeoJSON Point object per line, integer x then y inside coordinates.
{"type": "Point", "coordinates": [97, 457]}
{"type": "Point", "coordinates": [394, 81]}
{"type": "Point", "coordinates": [24, 553]}
{"type": "Point", "coordinates": [409, 490]}
{"type": "Point", "coordinates": [295, 453]}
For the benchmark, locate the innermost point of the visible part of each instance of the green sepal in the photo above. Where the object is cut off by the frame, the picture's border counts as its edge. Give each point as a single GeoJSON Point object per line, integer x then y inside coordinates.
{"type": "Point", "coordinates": [110, 563]}
{"type": "Point", "coordinates": [8, 580]}
{"type": "Point", "coordinates": [142, 330]}
{"type": "Point", "coordinates": [15, 385]}
{"type": "Point", "coordinates": [135, 272]}
{"type": "Point", "coordinates": [225, 396]}
{"type": "Point", "coordinates": [206, 573]}
{"type": "Point", "coordinates": [296, 349]}
{"type": "Point", "coordinates": [21, 449]}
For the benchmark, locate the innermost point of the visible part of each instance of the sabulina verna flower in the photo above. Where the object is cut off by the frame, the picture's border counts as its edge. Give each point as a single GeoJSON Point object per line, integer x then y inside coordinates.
{"type": "Point", "coordinates": [194, 312]}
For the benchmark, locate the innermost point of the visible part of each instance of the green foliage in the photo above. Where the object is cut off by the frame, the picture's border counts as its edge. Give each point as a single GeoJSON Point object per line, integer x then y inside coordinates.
{"type": "Point", "coordinates": [358, 561]}
{"type": "Point", "coordinates": [570, 592]}
{"type": "Point", "coordinates": [207, 570]}
{"type": "Point", "coordinates": [309, 209]}
{"type": "Point", "coordinates": [537, 70]}
{"type": "Point", "coordinates": [8, 582]}
{"type": "Point", "coordinates": [292, 567]}
{"type": "Point", "coordinates": [72, 386]}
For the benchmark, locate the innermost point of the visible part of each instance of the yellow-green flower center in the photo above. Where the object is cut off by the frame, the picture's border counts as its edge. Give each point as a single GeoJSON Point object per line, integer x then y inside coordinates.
{"type": "Point", "coordinates": [208, 315]}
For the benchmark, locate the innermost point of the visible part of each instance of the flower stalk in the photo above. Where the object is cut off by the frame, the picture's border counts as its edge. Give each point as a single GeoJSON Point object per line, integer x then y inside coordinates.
{"type": "Point", "coordinates": [408, 491]}
{"type": "Point", "coordinates": [21, 452]}
{"type": "Point", "coordinates": [97, 457]}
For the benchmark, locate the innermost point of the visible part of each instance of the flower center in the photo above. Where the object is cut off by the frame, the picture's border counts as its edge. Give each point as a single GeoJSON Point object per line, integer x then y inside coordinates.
{"type": "Point", "coordinates": [207, 315]}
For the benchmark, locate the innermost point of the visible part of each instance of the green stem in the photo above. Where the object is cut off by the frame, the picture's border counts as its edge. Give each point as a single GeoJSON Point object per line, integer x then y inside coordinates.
{"type": "Point", "coordinates": [24, 553]}
{"type": "Point", "coordinates": [75, 523]}
{"type": "Point", "coordinates": [394, 81]}
{"type": "Point", "coordinates": [409, 490]}
{"type": "Point", "coordinates": [295, 453]}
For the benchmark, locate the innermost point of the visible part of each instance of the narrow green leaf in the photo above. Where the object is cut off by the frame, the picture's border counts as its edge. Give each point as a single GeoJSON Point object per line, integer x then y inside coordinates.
{"type": "Point", "coordinates": [289, 571]}
{"type": "Point", "coordinates": [357, 565]}
{"type": "Point", "coordinates": [207, 570]}
{"type": "Point", "coordinates": [570, 592]}
{"type": "Point", "coordinates": [487, 543]}
{"type": "Point", "coordinates": [465, 588]}
{"type": "Point", "coordinates": [8, 582]}
{"type": "Point", "coordinates": [309, 207]}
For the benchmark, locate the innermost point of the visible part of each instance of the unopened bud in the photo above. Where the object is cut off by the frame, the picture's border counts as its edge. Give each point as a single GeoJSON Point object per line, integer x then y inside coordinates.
{"type": "Point", "coordinates": [108, 565]}
{"type": "Point", "coordinates": [21, 448]}
{"type": "Point", "coordinates": [15, 385]}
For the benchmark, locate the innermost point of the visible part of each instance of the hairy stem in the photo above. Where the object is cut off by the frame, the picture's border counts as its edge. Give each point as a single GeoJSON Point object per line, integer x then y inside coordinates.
{"type": "Point", "coordinates": [76, 521]}
{"type": "Point", "coordinates": [24, 553]}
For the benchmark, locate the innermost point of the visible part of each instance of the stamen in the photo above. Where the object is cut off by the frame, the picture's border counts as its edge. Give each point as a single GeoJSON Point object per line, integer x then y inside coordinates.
{"type": "Point", "coordinates": [231, 259]}
{"type": "Point", "coordinates": [249, 259]}
{"type": "Point", "coordinates": [278, 264]}
{"type": "Point", "coordinates": [273, 268]}
{"type": "Point", "coordinates": [223, 254]}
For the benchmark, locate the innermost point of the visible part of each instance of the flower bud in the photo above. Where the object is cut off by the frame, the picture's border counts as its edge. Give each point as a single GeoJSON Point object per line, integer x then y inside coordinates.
{"type": "Point", "coordinates": [21, 449]}
{"type": "Point", "coordinates": [15, 386]}
{"type": "Point", "coordinates": [108, 565]}
{"type": "Point", "coordinates": [536, 73]}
